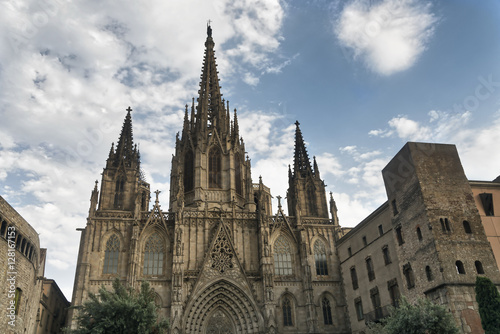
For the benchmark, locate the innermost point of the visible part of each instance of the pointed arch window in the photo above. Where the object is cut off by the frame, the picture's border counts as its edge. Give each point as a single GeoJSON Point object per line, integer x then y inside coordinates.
{"type": "Point", "coordinates": [237, 175]}
{"type": "Point", "coordinates": [327, 311]}
{"type": "Point", "coordinates": [282, 256]}
{"type": "Point", "coordinates": [467, 227]}
{"type": "Point", "coordinates": [111, 255]}
{"type": "Point", "coordinates": [188, 171]}
{"type": "Point", "coordinates": [119, 190]}
{"type": "Point", "coordinates": [287, 312]}
{"type": "Point", "coordinates": [311, 200]}
{"type": "Point", "coordinates": [153, 256]}
{"type": "Point", "coordinates": [479, 267]}
{"type": "Point", "coordinates": [320, 258]}
{"type": "Point", "coordinates": [214, 168]}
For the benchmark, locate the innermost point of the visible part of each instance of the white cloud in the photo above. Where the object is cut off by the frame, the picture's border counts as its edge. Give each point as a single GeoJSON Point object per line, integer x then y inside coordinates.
{"type": "Point", "coordinates": [388, 36]}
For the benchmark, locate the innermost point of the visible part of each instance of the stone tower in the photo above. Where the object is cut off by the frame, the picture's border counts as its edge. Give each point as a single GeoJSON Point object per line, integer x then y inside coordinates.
{"type": "Point", "coordinates": [441, 243]}
{"type": "Point", "coordinates": [218, 259]}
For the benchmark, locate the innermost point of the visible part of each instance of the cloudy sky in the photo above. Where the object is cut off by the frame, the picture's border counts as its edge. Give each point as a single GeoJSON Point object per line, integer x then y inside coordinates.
{"type": "Point", "coordinates": [362, 77]}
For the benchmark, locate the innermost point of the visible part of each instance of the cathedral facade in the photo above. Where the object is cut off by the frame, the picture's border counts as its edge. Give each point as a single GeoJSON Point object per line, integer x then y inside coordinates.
{"type": "Point", "coordinates": [219, 259]}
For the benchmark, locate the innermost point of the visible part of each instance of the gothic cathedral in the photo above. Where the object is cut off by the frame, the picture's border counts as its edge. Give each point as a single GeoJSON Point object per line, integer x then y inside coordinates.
{"type": "Point", "coordinates": [220, 260]}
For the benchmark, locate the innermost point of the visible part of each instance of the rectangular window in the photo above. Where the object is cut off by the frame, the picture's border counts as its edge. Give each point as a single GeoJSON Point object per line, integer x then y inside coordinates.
{"type": "Point", "coordinates": [487, 201]}
{"type": "Point", "coordinates": [349, 251]}
{"type": "Point", "coordinates": [393, 288]}
{"type": "Point", "coordinates": [399, 235]}
{"type": "Point", "coordinates": [408, 273]}
{"type": "Point", "coordinates": [354, 278]}
{"type": "Point", "coordinates": [387, 257]}
{"type": "Point", "coordinates": [358, 305]}
{"type": "Point", "coordinates": [369, 268]}
{"type": "Point", "coordinates": [364, 241]}
{"type": "Point", "coordinates": [375, 296]}
{"type": "Point", "coordinates": [380, 230]}
{"type": "Point", "coordinates": [394, 207]}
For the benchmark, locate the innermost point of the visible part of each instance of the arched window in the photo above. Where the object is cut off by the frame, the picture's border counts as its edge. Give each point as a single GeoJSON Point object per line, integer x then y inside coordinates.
{"type": "Point", "coordinates": [119, 190]}
{"type": "Point", "coordinates": [237, 175]}
{"type": "Point", "coordinates": [287, 312]}
{"type": "Point", "coordinates": [311, 201]}
{"type": "Point", "coordinates": [327, 311]}
{"type": "Point", "coordinates": [479, 267]}
{"type": "Point", "coordinates": [428, 273]}
{"type": "Point", "coordinates": [153, 256]}
{"type": "Point", "coordinates": [188, 171]}
{"type": "Point", "coordinates": [282, 256]}
{"type": "Point", "coordinates": [467, 228]}
{"type": "Point", "coordinates": [419, 234]}
{"type": "Point", "coordinates": [460, 267]}
{"type": "Point", "coordinates": [214, 168]}
{"type": "Point", "coordinates": [111, 255]}
{"type": "Point", "coordinates": [320, 258]}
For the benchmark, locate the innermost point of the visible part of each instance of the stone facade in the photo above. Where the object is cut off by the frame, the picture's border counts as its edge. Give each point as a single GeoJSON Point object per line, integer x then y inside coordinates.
{"type": "Point", "coordinates": [218, 259]}
{"type": "Point", "coordinates": [21, 262]}
{"type": "Point", "coordinates": [435, 238]}
{"type": "Point", "coordinates": [53, 309]}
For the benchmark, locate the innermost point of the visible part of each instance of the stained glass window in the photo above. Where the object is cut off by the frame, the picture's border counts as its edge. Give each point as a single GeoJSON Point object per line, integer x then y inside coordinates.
{"type": "Point", "coordinates": [153, 256]}
{"type": "Point", "coordinates": [111, 255]}
{"type": "Point", "coordinates": [214, 169]}
{"type": "Point", "coordinates": [287, 312]}
{"type": "Point", "coordinates": [327, 312]}
{"type": "Point", "coordinates": [282, 256]}
{"type": "Point", "coordinates": [320, 258]}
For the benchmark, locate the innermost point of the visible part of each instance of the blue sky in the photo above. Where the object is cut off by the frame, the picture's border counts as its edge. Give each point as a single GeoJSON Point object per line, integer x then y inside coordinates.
{"type": "Point", "coordinates": [362, 78]}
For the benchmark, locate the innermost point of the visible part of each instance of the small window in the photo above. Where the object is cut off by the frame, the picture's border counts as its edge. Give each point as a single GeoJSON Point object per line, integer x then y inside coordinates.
{"type": "Point", "coordinates": [428, 273]}
{"type": "Point", "coordinates": [467, 228]}
{"type": "Point", "coordinates": [327, 311]}
{"type": "Point", "coordinates": [287, 312]}
{"type": "Point", "coordinates": [358, 305]}
{"type": "Point", "coordinates": [479, 267]}
{"type": "Point", "coordinates": [354, 278]}
{"type": "Point", "coordinates": [393, 288]}
{"type": "Point", "coordinates": [460, 267]}
{"type": "Point", "coordinates": [380, 230]}
{"type": "Point", "coordinates": [419, 234]}
{"type": "Point", "coordinates": [369, 268]}
{"type": "Point", "coordinates": [17, 300]}
{"type": "Point", "coordinates": [349, 251]}
{"type": "Point", "coordinates": [394, 207]}
{"type": "Point", "coordinates": [408, 273]}
{"type": "Point", "coordinates": [375, 296]}
{"type": "Point", "coordinates": [387, 256]}
{"type": "Point", "coordinates": [447, 225]}
{"type": "Point", "coordinates": [399, 235]}
{"type": "Point", "coordinates": [364, 241]}
{"type": "Point", "coordinates": [487, 201]}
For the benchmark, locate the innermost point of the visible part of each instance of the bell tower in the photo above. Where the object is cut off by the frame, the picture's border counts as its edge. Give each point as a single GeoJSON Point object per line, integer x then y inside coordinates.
{"type": "Point", "coordinates": [209, 164]}
{"type": "Point", "coordinates": [122, 186]}
{"type": "Point", "coordinates": [306, 191]}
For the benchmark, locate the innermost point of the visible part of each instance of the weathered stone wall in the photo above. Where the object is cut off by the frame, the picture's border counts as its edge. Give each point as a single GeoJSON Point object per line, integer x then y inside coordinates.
{"type": "Point", "coordinates": [20, 263]}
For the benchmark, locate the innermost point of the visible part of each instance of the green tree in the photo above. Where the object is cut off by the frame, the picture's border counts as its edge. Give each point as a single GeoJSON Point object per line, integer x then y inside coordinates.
{"type": "Point", "coordinates": [121, 311]}
{"type": "Point", "coordinates": [424, 317]}
{"type": "Point", "coordinates": [488, 298]}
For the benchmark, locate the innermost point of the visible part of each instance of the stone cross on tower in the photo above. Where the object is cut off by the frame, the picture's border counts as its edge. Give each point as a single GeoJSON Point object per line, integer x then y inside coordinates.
{"type": "Point", "coordinates": [157, 192]}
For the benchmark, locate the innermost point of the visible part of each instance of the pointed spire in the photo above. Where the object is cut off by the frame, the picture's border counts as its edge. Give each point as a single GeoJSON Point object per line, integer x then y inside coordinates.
{"type": "Point", "coordinates": [124, 148]}
{"type": "Point", "coordinates": [301, 162]}
{"type": "Point", "coordinates": [210, 110]}
{"type": "Point", "coordinates": [316, 169]}
{"type": "Point", "coordinates": [236, 126]}
{"type": "Point", "coordinates": [185, 128]}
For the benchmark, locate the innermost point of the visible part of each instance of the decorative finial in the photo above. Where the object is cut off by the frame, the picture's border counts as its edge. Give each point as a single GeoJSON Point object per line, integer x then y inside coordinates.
{"type": "Point", "coordinates": [279, 201]}
{"type": "Point", "coordinates": [129, 109]}
{"type": "Point", "coordinates": [297, 123]}
{"type": "Point", "coordinates": [209, 29]}
{"type": "Point", "coordinates": [157, 192]}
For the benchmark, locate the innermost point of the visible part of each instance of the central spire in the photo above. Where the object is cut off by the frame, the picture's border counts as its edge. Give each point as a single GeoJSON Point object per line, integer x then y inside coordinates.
{"type": "Point", "coordinates": [301, 162]}
{"type": "Point", "coordinates": [211, 113]}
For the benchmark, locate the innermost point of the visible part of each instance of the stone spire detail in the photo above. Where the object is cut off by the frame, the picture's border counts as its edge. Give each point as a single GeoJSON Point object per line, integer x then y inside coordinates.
{"type": "Point", "coordinates": [125, 150]}
{"type": "Point", "coordinates": [301, 162]}
{"type": "Point", "coordinates": [210, 111]}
